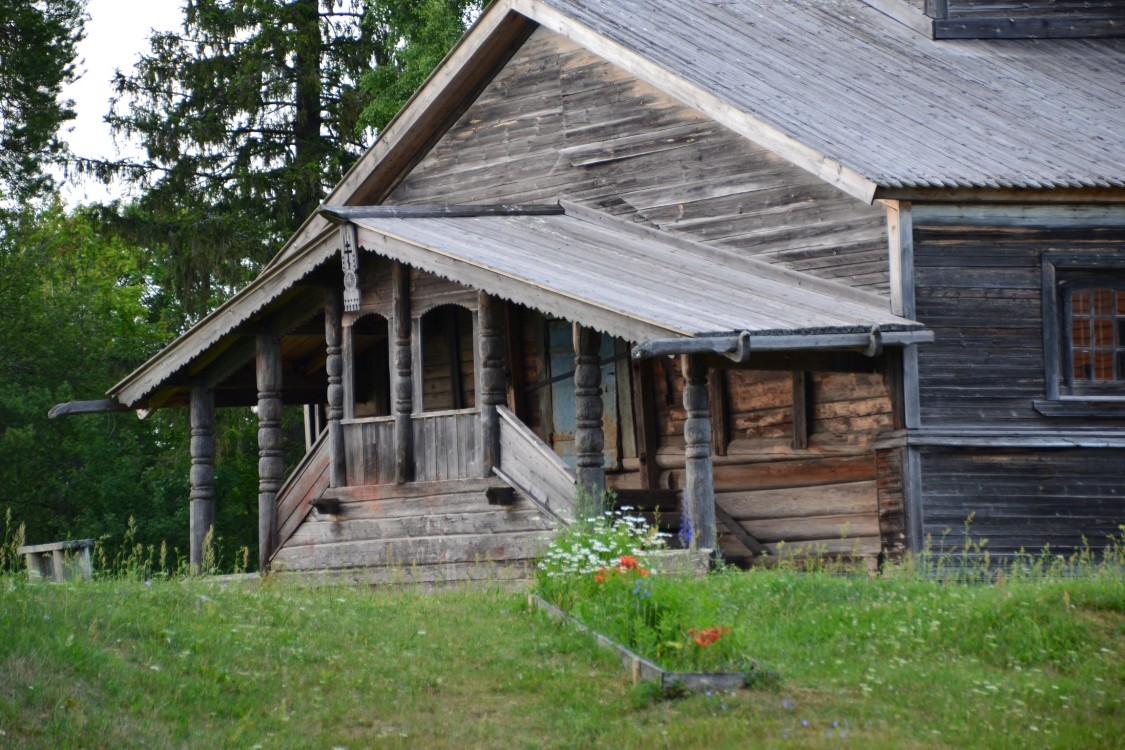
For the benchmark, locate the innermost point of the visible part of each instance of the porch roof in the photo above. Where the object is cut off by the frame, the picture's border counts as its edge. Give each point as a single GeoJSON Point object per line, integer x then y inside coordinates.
{"type": "Point", "coordinates": [620, 277]}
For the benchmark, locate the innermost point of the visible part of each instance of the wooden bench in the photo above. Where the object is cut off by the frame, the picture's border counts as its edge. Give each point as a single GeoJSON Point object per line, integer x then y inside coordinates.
{"type": "Point", "coordinates": [58, 561]}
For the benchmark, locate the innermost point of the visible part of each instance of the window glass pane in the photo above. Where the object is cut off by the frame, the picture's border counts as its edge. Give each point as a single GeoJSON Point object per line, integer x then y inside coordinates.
{"type": "Point", "coordinates": [1103, 332]}
{"type": "Point", "coordinates": [1080, 303]}
{"type": "Point", "coordinates": [1103, 302]}
{"type": "Point", "coordinates": [1080, 331]}
{"type": "Point", "coordinates": [1081, 365]}
{"type": "Point", "coordinates": [1103, 365]}
{"type": "Point", "coordinates": [1120, 302]}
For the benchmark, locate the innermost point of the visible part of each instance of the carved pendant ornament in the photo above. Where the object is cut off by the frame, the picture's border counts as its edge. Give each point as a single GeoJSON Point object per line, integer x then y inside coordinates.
{"type": "Point", "coordinates": [349, 261]}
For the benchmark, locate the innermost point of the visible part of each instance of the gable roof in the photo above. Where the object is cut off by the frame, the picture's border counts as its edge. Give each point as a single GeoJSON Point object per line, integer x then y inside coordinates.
{"type": "Point", "coordinates": [871, 95]}
{"type": "Point", "coordinates": [834, 86]}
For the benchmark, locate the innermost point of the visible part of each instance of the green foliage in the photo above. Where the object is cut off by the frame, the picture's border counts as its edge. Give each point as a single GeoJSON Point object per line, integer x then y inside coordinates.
{"type": "Point", "coordinates": [423, 32]}
{"type": "Point", "coordinates": [38, 41]}
{"type": "Point", "coordinates": [78, 317]}
{"type": "Point", "coordinates": [117, 663]}
{"type": "Point", "coordinates": [250, 113]}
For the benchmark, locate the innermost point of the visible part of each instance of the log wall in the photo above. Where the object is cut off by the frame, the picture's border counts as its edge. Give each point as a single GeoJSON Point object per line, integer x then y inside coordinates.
{"type": "Point", "coordinates": [559, 122]}
{"type": "Point", "coordinates": [988, 446]}
{"type": "Point", "coordinates": [1024, 499]}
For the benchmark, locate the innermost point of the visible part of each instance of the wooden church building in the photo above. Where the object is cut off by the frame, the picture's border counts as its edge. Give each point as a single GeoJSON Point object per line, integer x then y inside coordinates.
{"type": "Point", "coordinates": [820, 275]}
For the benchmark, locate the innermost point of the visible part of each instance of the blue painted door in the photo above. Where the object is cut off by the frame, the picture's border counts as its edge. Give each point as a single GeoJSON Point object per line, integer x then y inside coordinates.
{"type": "Point", "coordinates": [560, 344]}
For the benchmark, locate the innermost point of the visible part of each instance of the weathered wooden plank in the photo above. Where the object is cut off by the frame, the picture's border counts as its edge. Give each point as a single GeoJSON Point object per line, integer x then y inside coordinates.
{"type": "Point", "coordinates": [419, 551]}
{"type": "Point", "coordinates": [490, 521]}
{"type": "Point", "coordinates": [779, 474]}
{"type": "Point", "coordinates": [801, 502]}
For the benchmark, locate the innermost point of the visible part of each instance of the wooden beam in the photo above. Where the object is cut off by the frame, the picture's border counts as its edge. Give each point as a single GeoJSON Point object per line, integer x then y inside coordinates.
{"type": "Point", "coordinates": [401, 327]}
{"type": "Point", "coordinates": [271, 462]}
{"type": "Point", "coordinates": [86, 407]}
{"type": "Point", "coordinates": [333, 335]}
{"type": "Point", "coordinates": [720, 424]}
{"type": "Point", "coordinates": [589, 437]}
{"type": "Point", "coordinates": [802, 411]}
{"type": "Point", "coordinates": [493, 383]}
{"type": "Point", "coordinates": [739, 532]}
{"type": "Point", "coordinates": [646, 417]}
{"type": "Point", "coordinates": [699, 480]}
{"type": "Point", "coordinates": [349, 213]}
{"type": "Point", "coordinates": [202, 512]}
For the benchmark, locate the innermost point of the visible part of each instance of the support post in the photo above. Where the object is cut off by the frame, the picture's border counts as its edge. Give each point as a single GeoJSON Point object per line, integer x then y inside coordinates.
{"type": "Point", "coordinates": [403, 382]}
{"type": "Point", "coordinates": [493, 380]}
{"type": "Point", "coordinates": [202, 473]}
{"type": "Point", "coordinates": [271, 463]}
{"type": "Point", "coordinates": [589, 439]}
{"type": "Point", "coordinates": [334, 364]}
{"type": "Point", "coordinates": [699, 481]}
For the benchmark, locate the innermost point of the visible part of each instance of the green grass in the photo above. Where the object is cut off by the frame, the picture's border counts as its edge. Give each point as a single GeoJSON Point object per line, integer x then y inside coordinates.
{"type": "Point", "coordinates": [892, 663]}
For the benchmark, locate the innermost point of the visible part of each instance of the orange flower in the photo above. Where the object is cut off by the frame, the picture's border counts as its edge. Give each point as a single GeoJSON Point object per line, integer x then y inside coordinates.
{"type": "Point", "coordinates": [707, 636]}
{"type": "Point", "coordinates": [628, 562]}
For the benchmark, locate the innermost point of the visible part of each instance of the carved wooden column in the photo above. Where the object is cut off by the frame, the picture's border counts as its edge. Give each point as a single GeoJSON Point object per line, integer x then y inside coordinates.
{"type": "Point", "coordinates": [333, 310]}
{"type": "Point", "coordinates": [493, 382]}
{"type": "Point", "coordinates": [699, 482]}
{"type": "Point", "coordinates": [403, 382]}
{"type": "Point", "coordinates": [271, 463]}
{"type": "Point", "coordinates": [202, 472]}
{"type": "Point", "coordinates": [589, 440]}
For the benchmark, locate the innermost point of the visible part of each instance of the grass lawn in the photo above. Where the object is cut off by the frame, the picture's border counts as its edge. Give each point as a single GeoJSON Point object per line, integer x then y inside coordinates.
{"type": "Point", "coordinates": [896, 663]}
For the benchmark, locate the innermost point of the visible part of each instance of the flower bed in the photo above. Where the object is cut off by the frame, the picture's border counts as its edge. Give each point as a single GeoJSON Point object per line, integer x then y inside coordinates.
{"type": "Point", "coordinates": [611, 575]}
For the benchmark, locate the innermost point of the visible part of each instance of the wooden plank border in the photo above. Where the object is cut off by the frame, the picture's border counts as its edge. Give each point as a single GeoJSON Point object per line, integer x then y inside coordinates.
{"type": "Point", "coordinates": [640, 668]}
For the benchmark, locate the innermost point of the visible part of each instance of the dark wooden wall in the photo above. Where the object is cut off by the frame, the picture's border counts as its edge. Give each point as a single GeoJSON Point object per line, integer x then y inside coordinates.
{"type": "Point", "coordinates": [984, 449]}
{"type": "Point", "coordinates": [978, 288]}
{"type": "Point", "coordinates": [1024, 498]}
{"type": "Point", "coordinates": [559, 122]}
{"type": "Point", "coordinates": [1033, 8]}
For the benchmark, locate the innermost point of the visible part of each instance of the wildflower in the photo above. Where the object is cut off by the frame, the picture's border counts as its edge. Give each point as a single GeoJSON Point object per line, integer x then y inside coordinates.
{"type": "Point", "coordinates": [707, 636]}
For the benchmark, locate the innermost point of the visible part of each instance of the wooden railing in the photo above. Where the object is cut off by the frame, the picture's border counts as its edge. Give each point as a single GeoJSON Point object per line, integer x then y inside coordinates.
{"type": "Point", "coordinates": [447, 445]}
{"type": "Point", "coordinates": [369, 450]}
{"type": "Point", "coordinates": [304, 485]}
{"type": "Point", "coordinates": [531, 467]}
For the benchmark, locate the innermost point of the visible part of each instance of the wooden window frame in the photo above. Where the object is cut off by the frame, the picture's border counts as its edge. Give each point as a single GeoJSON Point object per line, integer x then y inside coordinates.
{"type": "Point", "coordinates": [1063, 398]}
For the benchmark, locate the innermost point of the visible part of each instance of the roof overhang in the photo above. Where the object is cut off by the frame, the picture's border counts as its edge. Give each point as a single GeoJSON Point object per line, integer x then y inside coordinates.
{"type": "Point", "coordinates": [666, 293]}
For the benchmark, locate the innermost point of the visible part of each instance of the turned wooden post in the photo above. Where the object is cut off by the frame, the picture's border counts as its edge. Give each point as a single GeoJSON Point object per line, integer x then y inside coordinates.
{"type": "Point", "coordinates": [334, 364]}
{"type": "Point", "coordinates": [589, 439]}
{"type": "Point", "coordinates": [403, 382]}
{"type": "Point", "coordinates": [202, 472]}
{"type": "Point", "coordinates": [493, 380]}
{"type": "Point", "coordinates": [271, 463]}
{"type": "Point", "coordinates": [699, 482]}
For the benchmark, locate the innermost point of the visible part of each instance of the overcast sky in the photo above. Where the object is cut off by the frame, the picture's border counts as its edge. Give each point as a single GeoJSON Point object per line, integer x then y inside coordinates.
{"type": "Point", "coordinates": [117, 31]}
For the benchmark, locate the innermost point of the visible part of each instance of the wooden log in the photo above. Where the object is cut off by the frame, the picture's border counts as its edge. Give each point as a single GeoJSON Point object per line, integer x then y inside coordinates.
{"type": "Point", "coordinates": [271, 462]}
{"type": "Point", "coordinates": [699, 483]}
{"type": "Point", "coordinates": [404, 553]}
{"type": "Point", "coordinates": [202, 473]}
{"type": "Point", "coordinates": [334, 365]}
{"type": "Point", "coordinates": [589, 438]}
{"type": "Point", "coordinates": [645, 417]}
{"type": "Point", "coordinates": [493, 382]}
{"type": "Point", "coordinates": [403, 382]}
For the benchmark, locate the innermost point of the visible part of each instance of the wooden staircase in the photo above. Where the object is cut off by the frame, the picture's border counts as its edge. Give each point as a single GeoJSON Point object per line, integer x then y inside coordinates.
{"type": "Point", "coordinates": [421, 532]}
